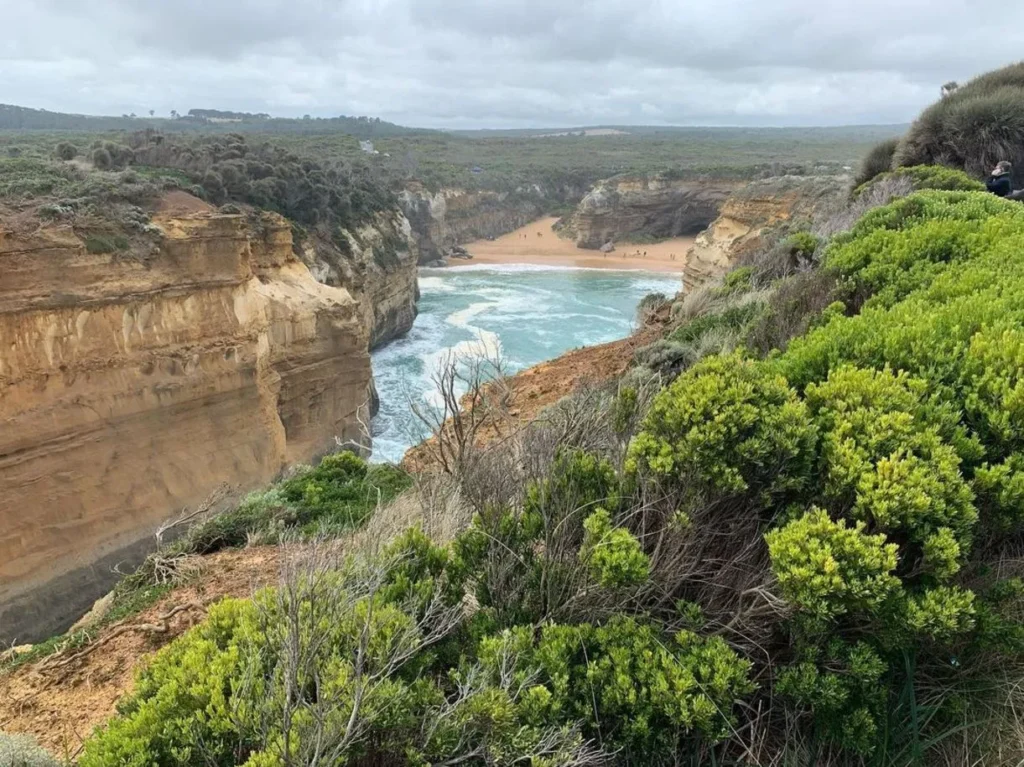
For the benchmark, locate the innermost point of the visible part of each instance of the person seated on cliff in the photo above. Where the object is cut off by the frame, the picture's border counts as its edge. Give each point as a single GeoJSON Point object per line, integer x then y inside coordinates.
{"type": "Point", "coordinates": [999, 182]}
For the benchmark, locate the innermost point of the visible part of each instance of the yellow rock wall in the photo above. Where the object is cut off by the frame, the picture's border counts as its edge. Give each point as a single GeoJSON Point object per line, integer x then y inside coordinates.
{"type": "Point", "coordinates": [132, 389]}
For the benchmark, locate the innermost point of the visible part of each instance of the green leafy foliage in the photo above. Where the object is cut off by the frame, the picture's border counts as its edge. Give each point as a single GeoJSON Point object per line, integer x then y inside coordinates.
{"type": "Point", "coordinates": [339, 494]}
{"type": "Point", "coordinates": [829, 569]}
{"type": "Point", "coordinates": [645, 692]}
{"type": "Point", "coordinates": [1000, 490]}
{"type": "Point", "coordinates": [876, 161]}
{"type": "Point", "coordinates": [613, 554]}
{"type": "Point", "coordinates": [924, 177]}
{"type": "Point", "coordinates": [728, 424]}
{"type": "Point", "coordinates": [843, 685]}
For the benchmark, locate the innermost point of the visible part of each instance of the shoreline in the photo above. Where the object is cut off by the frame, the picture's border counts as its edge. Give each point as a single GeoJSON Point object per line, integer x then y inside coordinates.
{"type": "Point", "coordinates": [536, 244]}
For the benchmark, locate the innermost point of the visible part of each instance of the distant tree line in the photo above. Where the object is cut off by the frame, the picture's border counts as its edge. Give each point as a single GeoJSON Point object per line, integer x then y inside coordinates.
{"type": "Point", "coordinates": [26, 119]}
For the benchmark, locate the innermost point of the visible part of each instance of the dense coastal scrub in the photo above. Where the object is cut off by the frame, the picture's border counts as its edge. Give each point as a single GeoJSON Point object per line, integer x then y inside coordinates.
{"type": "Point", "coordinates": [971, 128]}
{"type": "Point", "coordinates": [796, 546]}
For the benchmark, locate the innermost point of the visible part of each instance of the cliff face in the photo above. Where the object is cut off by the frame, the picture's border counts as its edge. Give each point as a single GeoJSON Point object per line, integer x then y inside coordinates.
{"type": "Point", "coordinates": [130, 390]}
{"type": "Point", "coordinates": [748, 214]}
{"type": "Point", "coordinates": [625, 206]}
{"type": "Point", "coordinates": [379, 270]}
{"type": "Point", "coordinates": [451, 217]}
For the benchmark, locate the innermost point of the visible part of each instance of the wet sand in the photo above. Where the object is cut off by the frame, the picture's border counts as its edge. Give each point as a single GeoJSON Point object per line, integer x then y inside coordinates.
{"type": "Point", "coordinates": [536, 243]}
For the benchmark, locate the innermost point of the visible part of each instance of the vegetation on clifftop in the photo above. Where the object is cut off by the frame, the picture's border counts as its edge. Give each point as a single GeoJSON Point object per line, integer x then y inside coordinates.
{"type": "Point", "coordinates": [796, 552]}
{"type": "Point", "coordinates": [972, 127]}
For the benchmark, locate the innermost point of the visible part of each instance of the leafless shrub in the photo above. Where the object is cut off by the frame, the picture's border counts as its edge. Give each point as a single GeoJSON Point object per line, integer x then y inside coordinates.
{"type": "Point", "coordinates": [776, 259]}
{"type": "Point", "coordinates": [473, 396]}
{"type": "Point", "coordinates": [841, 216]}
{"type": "Point", "coordinates": [696, 303]}
{"type": "Point", "coordinates": [795, 302]}
{"type": "Point", "coordinates": [23, 751]}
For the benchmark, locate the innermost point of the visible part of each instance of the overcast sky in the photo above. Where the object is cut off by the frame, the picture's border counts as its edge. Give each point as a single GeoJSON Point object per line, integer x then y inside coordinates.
{"type": "Point", "coordinates": [506, 63]}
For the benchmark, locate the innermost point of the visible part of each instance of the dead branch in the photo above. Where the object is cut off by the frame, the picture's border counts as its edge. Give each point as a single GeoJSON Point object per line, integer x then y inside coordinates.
{"type": "Point", "coordinates": [162, 626]}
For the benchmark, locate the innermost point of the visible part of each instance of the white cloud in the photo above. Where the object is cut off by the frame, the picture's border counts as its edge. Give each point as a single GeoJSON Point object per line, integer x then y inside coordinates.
{"type": "Point", "coordinates": [448, 63]}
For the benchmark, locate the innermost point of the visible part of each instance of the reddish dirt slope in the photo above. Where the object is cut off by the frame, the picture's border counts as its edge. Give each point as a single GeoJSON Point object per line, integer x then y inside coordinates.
{"type": "Point", "coordinates": [60, 699]}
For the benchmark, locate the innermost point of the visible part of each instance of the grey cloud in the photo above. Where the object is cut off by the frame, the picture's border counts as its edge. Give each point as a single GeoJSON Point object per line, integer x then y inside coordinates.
{"type": "Point", "coordinates": [451, 63]}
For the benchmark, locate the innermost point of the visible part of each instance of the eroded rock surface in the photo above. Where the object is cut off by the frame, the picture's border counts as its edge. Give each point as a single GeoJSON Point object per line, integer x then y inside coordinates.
{"type": "Point", "coordinates": [441, 220]}
{"type": "Point", "coordinates": [132, 389]}
{"type": "Point", "coordinates": [749, 213]}
{"type": "Point", "coordinates": [646, 206]}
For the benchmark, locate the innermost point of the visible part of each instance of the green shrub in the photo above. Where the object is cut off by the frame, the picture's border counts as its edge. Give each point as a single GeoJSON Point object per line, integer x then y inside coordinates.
{"type": "Point", "coordinates": [732, 318]}
{"type": "Point", "coordinates": [877, 161]}
{"type": "Point", "coordinates": [728, 425]}
{"type": "Point", "coordinates": [643, 692]}
{"type": "Point", "coordinates": [613, 554]}
{"type": "Point", "coordinates": [1000, 490]}
{"type": "Point", "coordinates": [843, 686]}
{"type": "Point", "coordinates": [66, 151]}
{"type": "Point", "coordinates": [525, 563]}
{"type": "Point", "coordinates": [802, 245]}
{"type": "Point", "coordinates": [926, 177]}
{"type": "Point", "coordinates": [883, 456]}
{"type": "Point", "coordinates": [341, 493]}
{"type": "Point", "coordinates": [737, 281]}
{"type": "Point", "coordinates": [105, 244]}
{"type": "Point", "coordinates": [828, 569]}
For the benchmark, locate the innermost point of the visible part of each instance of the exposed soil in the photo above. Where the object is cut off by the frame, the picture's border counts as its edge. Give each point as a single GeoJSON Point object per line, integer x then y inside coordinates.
{"type": "Point", "coordinates": [179, 203]}
{"type": "Point", "coordinates": [537, 243]}
{"type": "Point", "coordinates": [60, 705]}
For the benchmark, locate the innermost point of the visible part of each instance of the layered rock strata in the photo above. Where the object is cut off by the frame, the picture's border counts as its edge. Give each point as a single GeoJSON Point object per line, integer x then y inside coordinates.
{"type": "Point", "coordinates": [131, 390]}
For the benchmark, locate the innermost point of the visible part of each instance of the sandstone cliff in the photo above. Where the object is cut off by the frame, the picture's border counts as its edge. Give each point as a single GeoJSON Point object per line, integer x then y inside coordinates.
{"type": "Point", "coordinates": [379, 269]}
{"type": "Point", "coordinates": [649, 206]}
{"type": "Point", "coordinates": [441, 220]}
{"type": "Point", "coordinates": [130, 389]}
{"type": "Point", "coordinates": [749, 213]}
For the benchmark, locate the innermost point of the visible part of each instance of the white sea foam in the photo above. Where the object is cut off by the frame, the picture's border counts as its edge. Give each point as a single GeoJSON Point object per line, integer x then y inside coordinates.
{"type": "Point", "coordinates": [435, 285]}
{"type": "Point", "coordinates": [525, 313]}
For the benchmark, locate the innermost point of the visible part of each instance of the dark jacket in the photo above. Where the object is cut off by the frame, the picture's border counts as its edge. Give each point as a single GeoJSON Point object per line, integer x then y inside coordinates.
{"type": "Point", "coordinates": [1000, 185]}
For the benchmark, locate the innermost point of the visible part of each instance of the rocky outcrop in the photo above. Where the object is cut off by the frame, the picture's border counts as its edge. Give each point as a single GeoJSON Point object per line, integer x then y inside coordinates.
{"type": "Point", "coordinates": [441, 220]}
{"type": "Point", "coordinates": [379, 268]}
{"type": "Point", "coordinates": [132, 389]}
{"type": "Point", "coordinates": [747, 216]}
{"type": "Point", "coordinates": [646, 206]}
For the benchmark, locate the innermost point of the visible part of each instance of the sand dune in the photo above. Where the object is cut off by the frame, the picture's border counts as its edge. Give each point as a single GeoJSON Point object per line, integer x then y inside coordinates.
{"type": "Point", "coordinates": [536, 243]}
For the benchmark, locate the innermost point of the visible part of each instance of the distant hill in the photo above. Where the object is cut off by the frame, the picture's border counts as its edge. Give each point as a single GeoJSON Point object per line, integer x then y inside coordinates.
{"type": "Point", "coordinates": [843, 132]}
{"type": "Point", "coordinates": [205, 120]}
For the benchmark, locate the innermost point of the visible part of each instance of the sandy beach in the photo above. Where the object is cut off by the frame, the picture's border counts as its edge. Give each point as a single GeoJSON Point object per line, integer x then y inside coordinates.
{"type": "Point", "coordinates": [536, 243]}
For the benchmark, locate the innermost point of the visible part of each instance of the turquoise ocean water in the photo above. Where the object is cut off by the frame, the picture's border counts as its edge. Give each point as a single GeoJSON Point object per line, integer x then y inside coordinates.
{"type": "Point", "coordinates": [527, 314]}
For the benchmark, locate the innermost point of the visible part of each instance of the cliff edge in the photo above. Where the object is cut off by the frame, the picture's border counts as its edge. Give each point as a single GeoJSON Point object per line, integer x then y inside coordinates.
{"type": "Point", "coordinates": [749, 212]}
{"type": "Point", "coordinates": [133, 388]}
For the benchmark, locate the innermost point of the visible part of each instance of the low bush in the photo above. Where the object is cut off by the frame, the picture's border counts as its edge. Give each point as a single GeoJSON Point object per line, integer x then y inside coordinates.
{"type": "Point", "coordinates": [877, 161]}
{"type": "Point", "coordinates": [66, 151]}
{"type": "Point", "coordinates": [23, 751]}
{"type": "Point", "coordinates": [339, 494]}
{"type": "Point", "coordinates": [727, 425]}
{"type": "Point", "coordinates": [923, 177]}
